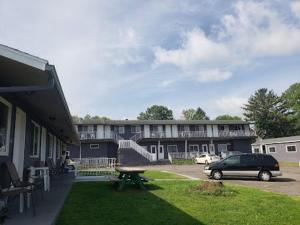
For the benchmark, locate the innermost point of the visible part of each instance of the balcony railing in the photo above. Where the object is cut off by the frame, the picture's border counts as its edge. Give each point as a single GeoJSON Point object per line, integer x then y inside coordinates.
{"type": "Point", "coordinates": [157, 134]}
{"type": "Point", "coordinates": [236, 133]}
{"type": "Point", "coordinates": [85, 135]}
{"type": "Point", "coordinates": [192, 134]}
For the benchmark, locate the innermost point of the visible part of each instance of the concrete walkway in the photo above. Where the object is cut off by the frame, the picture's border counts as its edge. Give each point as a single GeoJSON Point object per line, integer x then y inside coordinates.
{"type": "Point", "coordinates": [288, 184]}
{"type": "Point", "coordinates": [47, 209]}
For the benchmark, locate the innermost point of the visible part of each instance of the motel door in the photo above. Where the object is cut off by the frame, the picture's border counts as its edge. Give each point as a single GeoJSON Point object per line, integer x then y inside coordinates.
{"type": "Point", "coordinates": [153, 151]}
{"type": "Point", "coordinates": [161, 152]}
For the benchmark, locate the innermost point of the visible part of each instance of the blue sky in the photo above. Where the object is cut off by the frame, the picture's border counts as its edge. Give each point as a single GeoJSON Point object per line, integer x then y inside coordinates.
{"type": "Point", "coordinates": [116, 58]}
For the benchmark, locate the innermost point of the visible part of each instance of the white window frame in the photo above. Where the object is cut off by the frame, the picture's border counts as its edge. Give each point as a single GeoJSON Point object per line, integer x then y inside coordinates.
{"type": "Point", "coordinates": [271, 146]}
{"type": "Point", "coordinates": [35, 124]}
{"type": "Point", "coordinates": [256, 148]}
{"type": "Point", "coordinates": [121, 131]}
{"type": "Point", "coordinates": [194, 145]}
{"type": "Point", "coordinates": [9, 105]}
{"type": "Point", "coordinates": [51, 146]}
{"type": "Point", "coordinates": [151, 149]}
{"type": "Point", "coordinates": [291, 146]}
{"type": "Point", "coordinates": [96, 146]}
{"type": "Point", "coordinates": [206, 148]}
{"type": "Point", "coordinates": [135, 130]}
{"type": "Point", "coordinates": [172, 146]}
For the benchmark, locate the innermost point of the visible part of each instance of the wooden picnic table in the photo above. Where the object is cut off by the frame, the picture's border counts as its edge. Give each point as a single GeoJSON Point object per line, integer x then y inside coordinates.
{"type": "Point", "coordinates": [131, 175]}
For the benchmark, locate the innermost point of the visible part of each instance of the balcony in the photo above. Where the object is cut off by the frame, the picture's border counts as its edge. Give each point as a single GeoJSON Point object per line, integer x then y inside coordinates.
{"type": "Point", "coordinates": [236, 133]}
{"type": "Point", "coordinates": [192, 134]}
{"type": "Point", "coordinates": [87, 135]}
{"type": "Point", "coordinates": [157, 134]}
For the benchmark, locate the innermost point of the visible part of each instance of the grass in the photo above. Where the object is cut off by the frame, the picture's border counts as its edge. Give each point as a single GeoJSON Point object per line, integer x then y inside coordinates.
{"type": "Point", "coordinates": [288, 164]}
{"type": "Point", "coordinates": [173, 203]}
{"type": "Point", "coordinates": [183, 162]}
{"type": "Point", "coordinates": [156, 174]}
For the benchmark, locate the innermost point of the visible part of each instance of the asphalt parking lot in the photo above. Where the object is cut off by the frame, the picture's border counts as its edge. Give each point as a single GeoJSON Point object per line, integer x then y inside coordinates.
{"type": "Point", "coordinates": [288, 183]}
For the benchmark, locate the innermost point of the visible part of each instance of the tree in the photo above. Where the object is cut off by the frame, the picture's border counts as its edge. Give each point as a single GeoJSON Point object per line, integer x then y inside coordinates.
{"type": "Point", "coordinates": [88, 118]}
{"type": "Point", "coordinates": [228, 117]}
{"type": "Point", "coordinates": [156, 112]}
{"type": "Point", "coordinates": [194, 114]}
{"type": "Point", "coordinates": [269, 113]}
{"type": "Point", "coordinates": [292, 99]}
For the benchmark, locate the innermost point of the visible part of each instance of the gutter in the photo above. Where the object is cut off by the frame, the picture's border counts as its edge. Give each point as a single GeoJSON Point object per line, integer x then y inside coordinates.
{"type": "Point", "coordinates": [30, 88]}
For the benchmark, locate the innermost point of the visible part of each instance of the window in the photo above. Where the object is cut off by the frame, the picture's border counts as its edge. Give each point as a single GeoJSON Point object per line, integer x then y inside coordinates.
{"type": "Point", "coordinates": [36, 137]}
{"type": "Point", "coordinates": [172, 148]}
{"type": "Point", "coordinates": [121, 129]}
{"type": "Point", "coordinates": [50, 145]}
{"type": "Point", "coordinates": [272, 149]}
{"type": "Point", "coordinates": [204, 148]}
{"type": "Point", "coordinates": [5, 119]}
{"type": "Point", "coordinates": [233, 160]}
{"type": "Point", "coordinates": [291, 148]}
{"type": "Point", "coordinates": [256, 150]}
{"type": "Point", "coordinates": [94, 146]}
{"type": "Point", "coordinates": [193, 148]}
{"type": "Point", "coordinates": [135, 129]}
{"type": "Point", "coordinates": [153, 149]}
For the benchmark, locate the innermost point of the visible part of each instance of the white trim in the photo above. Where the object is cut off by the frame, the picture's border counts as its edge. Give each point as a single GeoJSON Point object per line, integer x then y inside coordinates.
{"type": "Point", "coordinates": [9, 105]}
{"type": "Point", "coordinates": [97, 146]}
{"type": "Point", "coordinates": [23, 57]}
{"type": "Point", "coordinates": [151, 149]}
{"type": "Point", "coordinates": [19, 141]}
{"type": "Point", "coordinates": [276, 142]}
{"type": "Point", "coordinates": [286, 147]}
{"type": "Point", "coordinates": [43, 144]}
{"type": "Point", "coordinates": [271, 146]}
{"type": "Point", "coordinates": [35, 124]}
{"type": "Point", "coordinates": [50, 150]}
{"type": "Point", "coordinates": [206, 148]}
{"type": "Point", "coordinates": [194, 146]}
{"type": "Point", "coordinates": [172, 146]}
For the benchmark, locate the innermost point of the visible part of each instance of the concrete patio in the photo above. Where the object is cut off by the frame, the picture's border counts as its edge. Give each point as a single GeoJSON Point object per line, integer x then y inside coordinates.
{"type": "Point", "coordinates": [47, 209]}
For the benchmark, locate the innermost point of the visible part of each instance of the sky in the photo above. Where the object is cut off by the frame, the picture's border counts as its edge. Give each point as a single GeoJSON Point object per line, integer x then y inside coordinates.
{"type": "Point", "coordinates": [116, 58]}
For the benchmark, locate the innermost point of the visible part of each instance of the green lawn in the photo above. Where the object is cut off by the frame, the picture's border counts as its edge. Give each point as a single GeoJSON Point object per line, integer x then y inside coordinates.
{"type": "Point", "coordinates": [173, 203]}
{"type": "Point", "coordinates": [155, 174]}
{"type": "Point", "coordinates": [288, 164]}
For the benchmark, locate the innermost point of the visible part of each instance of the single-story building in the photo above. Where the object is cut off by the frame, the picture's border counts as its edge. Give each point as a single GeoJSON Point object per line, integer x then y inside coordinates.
{"type": "Point", "coordinates": [35, 122]}
{"type": "Point", "coordinates": [283, 148]}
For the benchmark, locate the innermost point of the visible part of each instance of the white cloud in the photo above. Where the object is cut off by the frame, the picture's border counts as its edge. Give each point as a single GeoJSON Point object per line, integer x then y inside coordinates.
{"type": "Point", "coordinates": [213, 75]}
{"type": "Point", "coordinates": [252, 31]}
{"type": "Point", "coordinates": [295, 7]}
{"type": "Point", "coordinates": [230, 105]}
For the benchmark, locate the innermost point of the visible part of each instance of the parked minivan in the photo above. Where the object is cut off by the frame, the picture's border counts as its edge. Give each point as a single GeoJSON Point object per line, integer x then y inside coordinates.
{"type": "Point", "coordinates": [245, 165]}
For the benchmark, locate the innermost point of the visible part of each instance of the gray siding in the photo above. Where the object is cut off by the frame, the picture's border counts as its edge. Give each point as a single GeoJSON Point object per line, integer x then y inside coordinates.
{"type": "Point", "coordinates": [282, 155]}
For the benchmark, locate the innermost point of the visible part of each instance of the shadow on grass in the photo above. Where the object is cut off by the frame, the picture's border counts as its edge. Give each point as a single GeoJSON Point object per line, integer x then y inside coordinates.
{"type": "Point", "coordinates": [98, 203]}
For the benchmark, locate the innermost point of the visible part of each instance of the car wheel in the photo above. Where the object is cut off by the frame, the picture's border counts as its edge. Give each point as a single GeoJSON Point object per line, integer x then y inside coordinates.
{"type": "Point", "coordinates": [264, 175]}
{"type": "Point", "coordinates": [216, 174]}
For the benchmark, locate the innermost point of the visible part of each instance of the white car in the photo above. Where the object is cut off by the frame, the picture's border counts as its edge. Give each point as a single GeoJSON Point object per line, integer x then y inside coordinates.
{"type": "Point", "coordinates": [206, 159]}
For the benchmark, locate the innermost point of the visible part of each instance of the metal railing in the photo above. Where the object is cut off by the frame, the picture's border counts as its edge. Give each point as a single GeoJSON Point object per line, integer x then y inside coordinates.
{"type": "Point", "coordinates": [137, 137]}
{"type": "Point", "coordinates": [157, 134]}
{"type": "Point", "coordinates": [192, 134]}
{"type": "Point", "coordinates": [130, 144]}
{"type": "Point", "coordinates": [84, 135]}
{"type": "Point", "coordinates": [236, 133]}
{"type": "Point", "coordinates": [94, 166]}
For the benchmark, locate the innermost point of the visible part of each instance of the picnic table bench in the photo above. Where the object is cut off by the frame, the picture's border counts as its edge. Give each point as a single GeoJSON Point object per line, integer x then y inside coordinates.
{"type": "Point", "coordinates": [130, 175]}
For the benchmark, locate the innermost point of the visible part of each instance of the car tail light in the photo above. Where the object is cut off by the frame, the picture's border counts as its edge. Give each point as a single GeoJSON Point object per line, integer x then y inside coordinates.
{"type": "Point", "coordinates": [276, 165]}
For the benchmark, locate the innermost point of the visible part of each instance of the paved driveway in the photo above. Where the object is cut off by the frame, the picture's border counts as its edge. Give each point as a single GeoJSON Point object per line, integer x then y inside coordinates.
{"type": "Point", "coordinates": [288, 184]}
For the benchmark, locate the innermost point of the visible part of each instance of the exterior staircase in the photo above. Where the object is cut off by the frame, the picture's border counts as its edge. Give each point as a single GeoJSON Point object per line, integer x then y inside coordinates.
{"type": "Point", "coordinates": [131, 153]}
